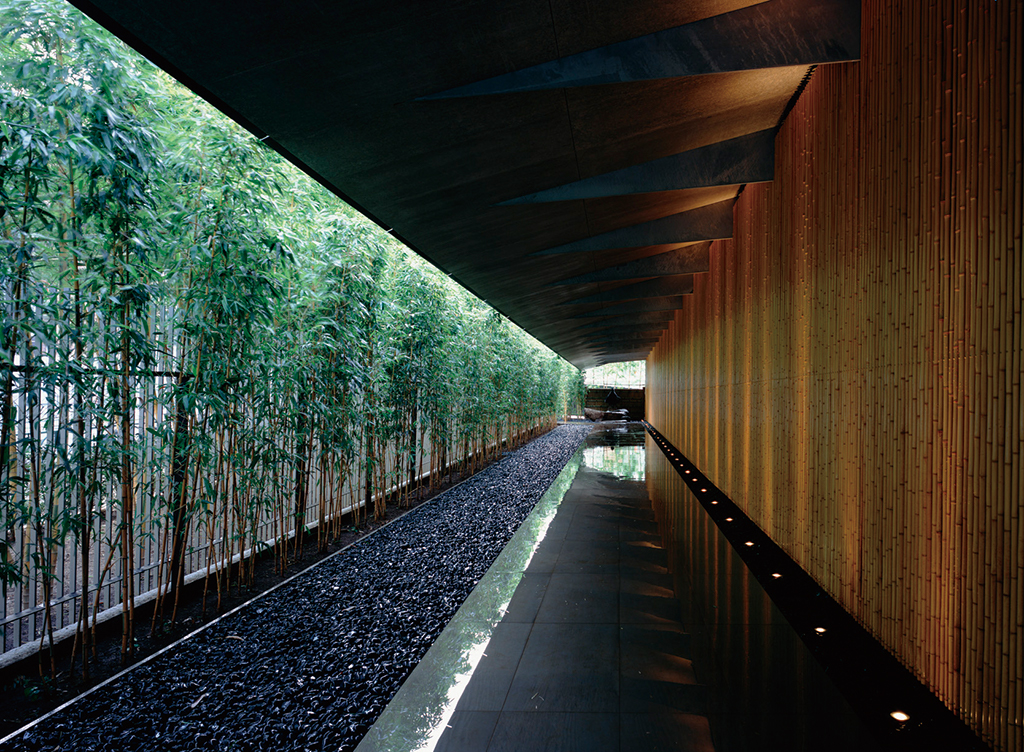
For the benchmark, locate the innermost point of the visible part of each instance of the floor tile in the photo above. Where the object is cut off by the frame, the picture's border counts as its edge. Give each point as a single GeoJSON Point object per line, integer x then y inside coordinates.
{"type": "Point", "coordinates": [655, 653]}
{"type": "Point", "coordinates": [467, 732]}
{"type": "Point", "coordinates": [661, 579]}
{"type": "Point", "coordinates": [592, 527]}
{"type": "Point", "coordinates": [527, 598]}
{"type": "Point", "coordinates": [626, 489]}
{"type": "Point", "coordinates": [568, 667]}
{"type": "Point", "coordinates": [638, 529]}
{"type": "Point", "coordinates": [600, 509]}
{"type": "Point", "coordinates": [593, 556]}
{"type": "Point", "coordinates": [652, 696]}
{"type": "Point", "coordinates": [546, 556]}
{"type": "Point", "coordinates": [581, 598]}
{"type": "Point", "coordinates": [587, 632]}
{"type": "Point", "coordinates": [556, 732]}
{"type": "Point", "coordinates": [664, 732]}
{"type": "Point", "coordinates": [559, 524]}
{"type": "Point", "coordinates": [670, 639]}
{"type": "Point", "coordinates": [641, 601]}
{"type": "Point", "coordinates": [519, 551]}
{"type": "Point", "coordinates": [644, 554]}
{"type": "Point", "coordinates": [489, 685]}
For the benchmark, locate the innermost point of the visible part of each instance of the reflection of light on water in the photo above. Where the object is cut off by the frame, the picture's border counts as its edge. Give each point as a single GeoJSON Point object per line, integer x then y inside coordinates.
{"type": "Point", "coordinates": [472, 657]}
{"type": "Point", "coordinates": [542, 531]}
{"type": "Point", "coordinates": [625, 462]}
{"type": "Point", "coordinates": [544, 513]}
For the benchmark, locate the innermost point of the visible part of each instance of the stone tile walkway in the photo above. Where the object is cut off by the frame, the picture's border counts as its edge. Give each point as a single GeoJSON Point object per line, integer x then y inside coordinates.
{"type": "Point", "coordinates": [571, 641]}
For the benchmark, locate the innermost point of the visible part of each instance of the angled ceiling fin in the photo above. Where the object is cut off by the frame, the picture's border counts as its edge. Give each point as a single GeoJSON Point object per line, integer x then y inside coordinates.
{"type": "Point", "coordinates": [681, 284]}
{"type": "Point", "coordinates": [767, 35]}
{"type": "Point", "coordinates": [689, 259]}
{"type": "Point", "coordinates": [746, 159]}
{"type": "Point", "coordinates": [710, 222]}
{"type": "Point", "coordinates": [668, 303]}
{"type": "Point", "coordinates": [634, 319]}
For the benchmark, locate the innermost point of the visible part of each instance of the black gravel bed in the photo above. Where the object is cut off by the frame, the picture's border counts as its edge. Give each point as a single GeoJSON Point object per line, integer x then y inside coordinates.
{"type": "Point", "coordinates": [311, 665]}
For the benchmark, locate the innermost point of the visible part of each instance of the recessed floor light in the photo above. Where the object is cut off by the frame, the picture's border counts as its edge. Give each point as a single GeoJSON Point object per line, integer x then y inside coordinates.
{"type": "Point", "coordinates": [714, 502]}
{"type": "Point", "coordinates": [750, 543]}
{"type": "Point", "coordinates": [703, 490]}
{"type": "Point", "coordinates": [728, 519]}
{"type": "Point", "coordinates": [776, 575]}
{"type": "Point", "coordinates": [819, 630]}
{"type": "Point", "coordinates": [900, 716]}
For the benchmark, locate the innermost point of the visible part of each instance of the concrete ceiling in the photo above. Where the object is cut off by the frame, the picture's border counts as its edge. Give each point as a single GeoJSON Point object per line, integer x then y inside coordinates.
{"type": "Point", "coordinates": [569, 161]}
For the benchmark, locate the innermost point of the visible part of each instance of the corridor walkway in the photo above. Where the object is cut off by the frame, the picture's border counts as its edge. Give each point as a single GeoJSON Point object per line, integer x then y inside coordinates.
{"type": "Point", "coordinates": [570, 642]}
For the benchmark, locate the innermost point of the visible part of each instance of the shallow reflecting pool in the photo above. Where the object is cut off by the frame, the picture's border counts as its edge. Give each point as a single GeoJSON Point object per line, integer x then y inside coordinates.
{"type": "Point", "coordinates": [626, 462]}
{"type": "Point", "coordinates": [420, 712]}
{"type": "Point", "coordinates": [617, 448]}
{"type": "Point", "coordinates": [423, 708]}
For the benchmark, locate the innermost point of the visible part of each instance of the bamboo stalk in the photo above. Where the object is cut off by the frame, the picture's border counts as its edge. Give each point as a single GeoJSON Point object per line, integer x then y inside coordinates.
{"type": "Point", "coordinates": [910, 159]}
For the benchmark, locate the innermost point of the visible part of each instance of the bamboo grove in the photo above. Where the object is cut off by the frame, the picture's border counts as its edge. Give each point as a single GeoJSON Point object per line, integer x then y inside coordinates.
{"type": "Point", "coordinates": [204, 354]}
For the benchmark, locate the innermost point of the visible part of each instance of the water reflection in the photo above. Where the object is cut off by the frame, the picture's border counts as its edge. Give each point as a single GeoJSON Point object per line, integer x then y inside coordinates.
{"type": "Point", "coordinates": [626, 462]}
{"type": "Point", "coordinates": [417, 716]}
{"type": "Point", "coordinates": [617, 434]}
{"type": "Point", "coordinates": [472, 652]}
{"type": "Point", "coordinates": [767, 690]}
{"type": "Point", "coordinates": [617, 448]}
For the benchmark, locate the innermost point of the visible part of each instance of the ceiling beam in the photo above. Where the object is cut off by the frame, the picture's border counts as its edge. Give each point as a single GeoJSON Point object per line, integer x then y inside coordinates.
{"type": "Point", "coordinates": [668, 303]}
{"type": "Point", "coordinates": [735, 161]}
{"type": "Point", "coordinates": [623, 357]}
{"type": "Point", "coordinates": [648, 330]}
{"type": "Point", "coordinates": [633, 319]}
{"type": "Point", "coordinates": [644, 330]}
{"type": "Point", "coordinates": [625, 333]}
{"type": "Point", "coordinates": [689, 259]}
{"type": "Point", "coordinates": [681, 284]}
{"type": "Point", "coordinates": [711, 222]}
{"type": "Point", "coordinates": [622, 344]}
{"type": "Point", "coordinates": [769, 35]}
{"type": "Point", "coordinates": [596, 167]}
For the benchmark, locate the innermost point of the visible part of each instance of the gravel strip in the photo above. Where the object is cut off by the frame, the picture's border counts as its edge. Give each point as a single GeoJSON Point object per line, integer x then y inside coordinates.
{"type": "Point", "coordinates": [312, 664]}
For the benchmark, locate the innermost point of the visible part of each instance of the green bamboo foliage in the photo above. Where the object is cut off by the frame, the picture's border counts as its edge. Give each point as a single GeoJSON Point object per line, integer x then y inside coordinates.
{"type": "Point", "coordinates": [203, 354]}
{"type": "Point", "coordinates": [630, 375]}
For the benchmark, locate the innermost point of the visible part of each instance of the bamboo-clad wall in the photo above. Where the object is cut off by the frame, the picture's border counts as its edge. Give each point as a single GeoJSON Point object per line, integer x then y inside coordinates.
{"type": "Point", "coordinates": [850, 369]}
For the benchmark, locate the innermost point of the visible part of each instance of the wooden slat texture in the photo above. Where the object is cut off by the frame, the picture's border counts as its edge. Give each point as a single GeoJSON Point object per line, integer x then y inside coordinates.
{"type": "Point", "coordinates": [849, 370]}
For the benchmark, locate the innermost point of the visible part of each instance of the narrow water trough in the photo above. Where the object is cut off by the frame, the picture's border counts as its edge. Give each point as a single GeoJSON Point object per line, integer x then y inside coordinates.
{"type": "Point", "coordinates": [311, 664]}
{"type": "Point", "coordinates": [424, 715]}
